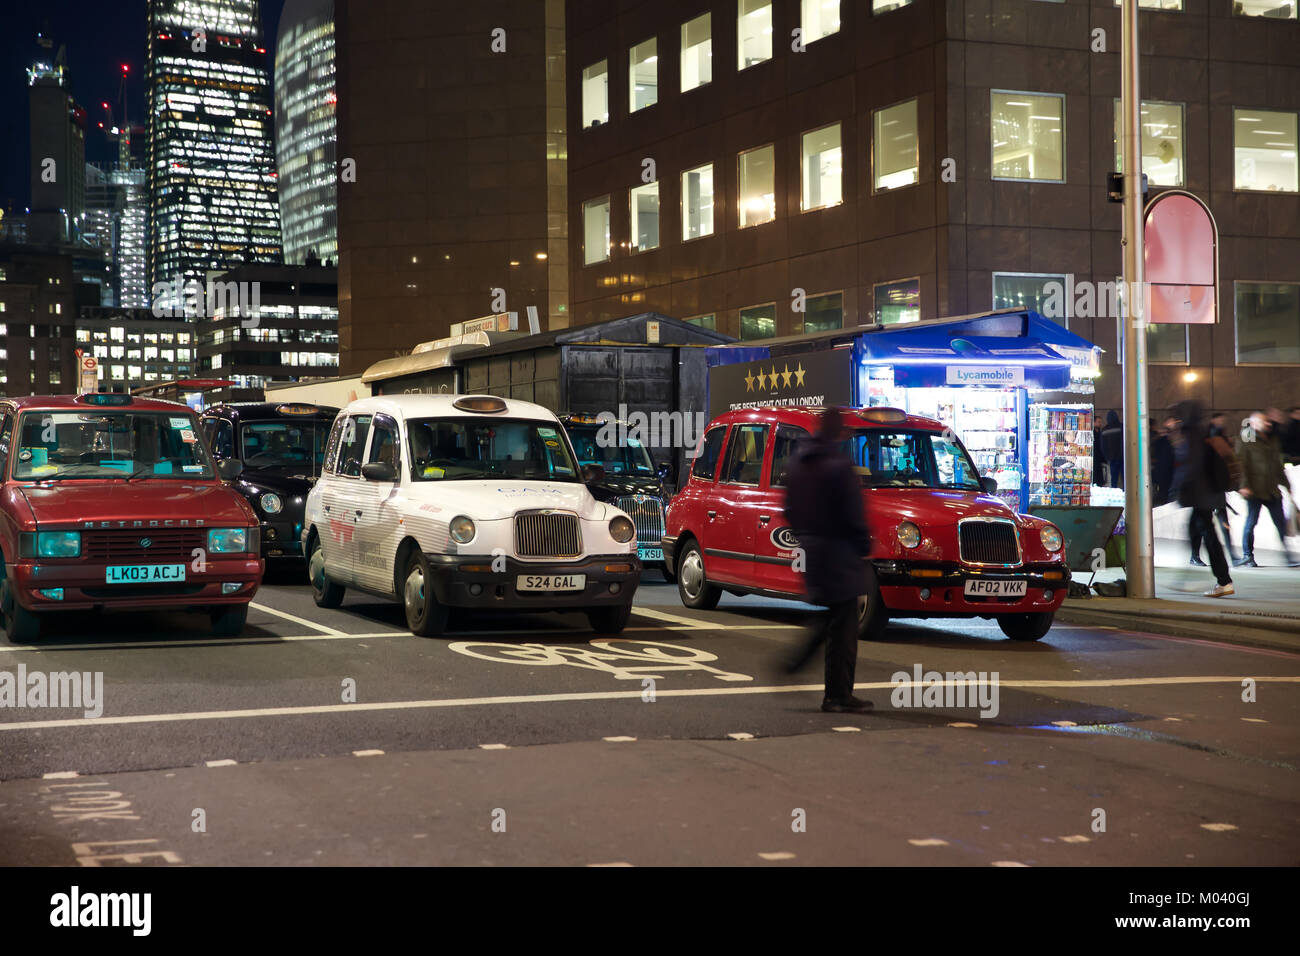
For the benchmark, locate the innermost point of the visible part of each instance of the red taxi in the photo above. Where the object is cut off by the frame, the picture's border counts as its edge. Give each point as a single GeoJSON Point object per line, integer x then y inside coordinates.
{"type": "Point", "coordinates": [109, 501]}
{"type": "Point", "coordinates": [941, 544]}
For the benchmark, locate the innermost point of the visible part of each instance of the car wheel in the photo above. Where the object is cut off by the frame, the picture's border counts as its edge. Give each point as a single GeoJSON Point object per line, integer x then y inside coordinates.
{"type": "Point", "coordinates": [325, 591]}
{"type": "Point", "coordinates": [668, 574]}
{"type": "Point", "coordinates": [872, 617]}
{"type": "Point", "coordinates": [228, 621]}
{"type": "Point", "coordinates": [1026, 627]}
{"type": "Point", "coordinates": [609, 620]}
{"type": "Point", "coordinates": [692, 586]}
{"type": "Point", "coordinates": [21, 625]}
{"type": "Point", "coordinates": [424, 615]}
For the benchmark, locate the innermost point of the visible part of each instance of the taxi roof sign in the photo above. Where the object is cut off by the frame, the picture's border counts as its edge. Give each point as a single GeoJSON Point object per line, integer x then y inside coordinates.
{"type": "Point", "coordinates": [297, 408]}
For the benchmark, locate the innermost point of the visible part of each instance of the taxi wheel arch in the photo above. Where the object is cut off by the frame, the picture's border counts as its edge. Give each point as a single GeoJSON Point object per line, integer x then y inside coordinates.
{"type": "Point", "coordinates": [21, 625]}
{"type": "Point", "coordinates": [1026, 627]}
{"type": "Point", "coordinates": [326, 593]}
{"type": "Point", "coordinates": [424, 615]}
{"type": "Point", "coordinates": [693, 587]}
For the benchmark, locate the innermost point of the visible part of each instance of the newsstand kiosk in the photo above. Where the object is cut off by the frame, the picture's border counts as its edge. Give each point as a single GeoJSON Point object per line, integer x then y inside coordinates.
{"type": "Point", "coordinates": [1015, 387]}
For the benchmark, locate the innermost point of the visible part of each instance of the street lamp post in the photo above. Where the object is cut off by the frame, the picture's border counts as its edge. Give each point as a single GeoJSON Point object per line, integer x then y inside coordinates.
{"type": "Point", "coordinates": [1140, 556]}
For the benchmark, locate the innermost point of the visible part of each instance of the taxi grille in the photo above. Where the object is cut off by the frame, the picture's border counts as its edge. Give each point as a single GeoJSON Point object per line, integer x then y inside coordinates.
{"type": "Point", "coordinates": [988, 542]}
{"type": "Point", "coordinates": [547, 534]}
{"type": "Point", "coordinates": [648, 516]}
{"type": "Point", "coordinates": [123, 544]}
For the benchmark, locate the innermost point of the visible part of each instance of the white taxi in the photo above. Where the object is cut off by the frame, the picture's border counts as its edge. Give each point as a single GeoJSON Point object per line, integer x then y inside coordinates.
{"type": "Point", "coordinates": [470, 501]}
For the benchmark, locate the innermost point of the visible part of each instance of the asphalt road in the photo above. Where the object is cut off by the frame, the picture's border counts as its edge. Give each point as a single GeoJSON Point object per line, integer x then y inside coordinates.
{"type": "Point", "coordinates": [336, 737]}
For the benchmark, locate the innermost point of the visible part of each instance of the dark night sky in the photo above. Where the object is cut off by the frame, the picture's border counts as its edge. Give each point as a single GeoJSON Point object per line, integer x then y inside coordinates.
{"type": "Point", "coordinates": [100, 35]}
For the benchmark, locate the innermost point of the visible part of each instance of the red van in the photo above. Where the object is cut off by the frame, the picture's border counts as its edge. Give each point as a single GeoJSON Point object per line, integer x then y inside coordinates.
{"type": "Point", "coordinates": [941, 544]}
{"type": "Point", "coordinates": [111, 501]}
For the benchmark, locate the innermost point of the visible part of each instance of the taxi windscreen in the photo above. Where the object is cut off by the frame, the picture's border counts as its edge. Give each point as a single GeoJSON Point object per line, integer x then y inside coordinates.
{"type": "Point", "coordinates": [629, 459]}
{"type": "Point", "coordinates": [284, 444]}
{"type": "Point", "coordinates": [450, 449]}
{"type": "Point", "coordinates": [108, 443]}
{"type": "Point", "coordinates": [911, 459]}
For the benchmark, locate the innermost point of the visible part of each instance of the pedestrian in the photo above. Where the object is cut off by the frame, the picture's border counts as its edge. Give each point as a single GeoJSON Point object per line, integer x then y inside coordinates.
{"type": "Point", "coordinates": [1200, 485]}
{"type": "Point", "coordinates": [1162, 462]}
{"type": "Point", "coordinates": [1098, 461]}
{"type": "Point", "coordinates": [1291, 436]}
{"type": "Point", "coordinates": [1112, 448]}
{"type": "Point", "coordinates": [1262, 478]}
{"type": "Point", "coordinates": [823, 504]}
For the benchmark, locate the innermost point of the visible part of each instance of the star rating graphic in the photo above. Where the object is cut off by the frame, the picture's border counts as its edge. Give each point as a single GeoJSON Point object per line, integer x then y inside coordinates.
{"type": "Point", "coordinates": [769, 380]}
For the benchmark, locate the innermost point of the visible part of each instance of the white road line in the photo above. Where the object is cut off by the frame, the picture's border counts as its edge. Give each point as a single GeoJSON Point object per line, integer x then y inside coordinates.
{"type": "Point", "coordinates": [962, 723]}
{"type": "Point", "coordinates": [1007, 863]}
{"type": "Point", "coordinates": [221, 763]}
{"type": "Point", "coordinates": [493, 746]}
{"type": "Point", "coordinates": [199, 642]}
{"type": "Point", "coordinates": [619, 740]}
{"type": "Point", "coordinates": [295, 618]}
{"type": "Point", "coordinates": [1076, 838]}
{"type": "Point", "coordinates": [590, 696]}
{"type": "Point", "coordinates": [741, 736]}
{"type": "Point", "coordinates": [1218, 827]}
{"type": "Point", "coordinates": [847, 730]}
{"type": "Point", "coordinates": [657, 615]}
{"type": "Point", "coordinates": [778, 855]}
{"type": "Point", "coordinates": [59, 775]}
{"type": "Point", "coordinates": [928, 841]}
{"type": "Point", "coordinates": [367, 753]}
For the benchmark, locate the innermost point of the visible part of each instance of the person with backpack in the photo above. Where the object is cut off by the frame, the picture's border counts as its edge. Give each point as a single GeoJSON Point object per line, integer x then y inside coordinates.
{"type": "Point", "coordinates": [1202, 475]}
{"type": "Point", "coordinates": [1262, 478]}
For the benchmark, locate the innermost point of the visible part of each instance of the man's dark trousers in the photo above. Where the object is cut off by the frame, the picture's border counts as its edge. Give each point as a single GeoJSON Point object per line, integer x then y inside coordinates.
{"type": "Point", "coordinates": [1275, 511]}
{"type": "Point", "coordinates": [838, 624]}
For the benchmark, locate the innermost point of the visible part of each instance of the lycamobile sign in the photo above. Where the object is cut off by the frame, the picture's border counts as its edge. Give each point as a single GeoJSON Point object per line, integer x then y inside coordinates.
{"type": "Point", "coordinates": [985, 375]}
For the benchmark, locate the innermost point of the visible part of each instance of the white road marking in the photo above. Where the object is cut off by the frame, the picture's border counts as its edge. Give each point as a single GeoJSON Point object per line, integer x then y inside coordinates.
{"type": "Point", "coordinates": [741, 736]}
{"type": "Point", "coordinates": [619, 740]}
{"type": "Point", "coordinates": [1064, 723]}
{"type": "Point", "coordinates": [59, 775]}
{"type": "Point", "coordinates": [657, 615]}
{"type": "Point", "coordinates": [222, 763]}
{"type": "Point", "coordinates": [779, 855]}
{"type": "Point", "coordinates": [928, 841]}
{"type": "Point", "coordinates": [847, 730]}
{"type": "Point", "coordinates": [1254, 720]}
{"type": "Point", "coordinates": [590, 696]}
{"type": "Point", "coordinates": [1007, 863]}
{"type": "Point", "coordinates": [199, 642]}
{"type": "Point", "coordinates": [295, 618]}
{"type": "Point", "coordinates": [1218, 827]}
{"type": "Point", "coordinates": [1076, 838]}
{"type": "Point", "coordinates": [610, 864]}
{"type": "Point", "coordinates": [962, 723]}
{"type": "Point", "coordinates": [493, 746]}
{"type": "Point", "coordinates": [367, 753]}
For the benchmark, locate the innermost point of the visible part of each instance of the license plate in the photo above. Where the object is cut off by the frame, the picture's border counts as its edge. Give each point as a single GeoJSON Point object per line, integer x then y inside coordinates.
{"type": "Point", "coordinates": [550, 582]}
{"type": "Point", "coordinates": [977, 587]}
{"type": "Point", "coordinates": [650, 554]}
{"type": "Point", "coordinates": [143, 573]}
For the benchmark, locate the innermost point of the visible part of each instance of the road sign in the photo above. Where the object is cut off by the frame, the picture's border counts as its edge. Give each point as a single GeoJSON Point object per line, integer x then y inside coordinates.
{"type": "Point", "coordinates": [1182, 260]}
{"type": "Point", "coordinates": [88, 369]}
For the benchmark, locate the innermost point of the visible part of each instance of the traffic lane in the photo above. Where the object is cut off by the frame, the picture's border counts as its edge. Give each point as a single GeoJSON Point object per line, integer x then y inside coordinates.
{"type": "Point", "coordinates": [916, 797]}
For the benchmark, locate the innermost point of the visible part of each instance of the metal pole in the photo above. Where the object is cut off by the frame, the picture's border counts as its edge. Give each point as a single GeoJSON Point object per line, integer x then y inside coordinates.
{"type": "Point", "coordinates": [1140, 560]}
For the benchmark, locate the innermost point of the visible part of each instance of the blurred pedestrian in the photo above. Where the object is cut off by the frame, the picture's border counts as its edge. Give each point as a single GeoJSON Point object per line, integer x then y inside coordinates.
{"type": "Point", "coordinates": [1112, 448]}
{"type": "Point", "coordinates": [1162, 462]}
{"type": "Point", "coordinates": [1290, 438]}
{"type": "Point", "coordinates": [1262, 480]}
{"type": "Point", "coordinates": [1200, 480]}
{"type": "Point", "coordinates": [823, 504]}
{"type": "Point", "coordinates": [1098, 461]}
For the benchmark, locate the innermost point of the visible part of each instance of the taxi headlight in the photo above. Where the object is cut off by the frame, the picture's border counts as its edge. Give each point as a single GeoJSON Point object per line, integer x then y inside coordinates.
{"type": "Point", "coordinates": [621, 529]}
{"type": "Point", "coordinates": [227, 540]}
{"type": "Point", "coordinates": [271, 504]}
{"type": "Point", "coordinates": [58, 544]}
{"type": "Point", "coordinates": [1051, 538]}
{"type": "Point", "coordinates": [909, 535]}
{"type": "Point", "coordinates": [461, 529]}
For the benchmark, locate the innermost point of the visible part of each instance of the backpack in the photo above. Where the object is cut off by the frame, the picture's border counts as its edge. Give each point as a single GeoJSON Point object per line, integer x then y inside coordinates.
{"type": "Point", "coordinates": [1222, 469]}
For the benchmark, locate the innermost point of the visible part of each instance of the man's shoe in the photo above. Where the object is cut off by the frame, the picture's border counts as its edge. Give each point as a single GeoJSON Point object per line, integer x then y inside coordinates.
{"type": "Point", "coordinates": [1221, 590]}
{"type": "Point", "coordinates": [1196, 562]}
{"type": "Point", "coordinates": [1245, 562]}
{"type": "Point", "coordinates": [850, 705]}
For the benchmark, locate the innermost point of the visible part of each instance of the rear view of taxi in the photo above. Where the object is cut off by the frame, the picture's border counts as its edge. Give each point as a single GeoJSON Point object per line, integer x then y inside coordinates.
{"type": "Point", "coordinates": [477, 502]}
{"type": "Point", "coordinates": [112, 502]}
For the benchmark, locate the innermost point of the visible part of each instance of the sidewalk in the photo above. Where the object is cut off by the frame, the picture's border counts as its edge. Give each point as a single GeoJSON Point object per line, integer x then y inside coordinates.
{"type": "Point", "coordinates": [1265, 611]}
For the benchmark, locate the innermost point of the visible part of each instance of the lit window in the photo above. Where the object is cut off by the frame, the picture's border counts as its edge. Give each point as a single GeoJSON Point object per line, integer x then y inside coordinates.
{"type": "Point", "coordinates": [697, 52]}
{"type": "Point", "coordinates": [758, 322]}
{"type": "Point", "coordinates": [595, 94]}
{"type": "Point", "coordinates": [754, 32]}
{"type": "Point", "coordinates": [1268, 323]}
{"type": "Point", "coordinates": [757, 186]}
{"type": "Point", "coordinates": [819, 18]}
{"type": "Point", "coordinates": [1162, 142]}
{"type": "Point", "coordinates": [895, 158]}
{"type": "Point", "coordinates": [1028, 133]}
{"type": "Point", "coordinates": [1277, 9]}
{"type": "Point", "coordinates": [1264, 148]}
{"type": "Point", "coordinates": [898, 302]}
{"type": "Point", "coordinates": [645, 217]}
{"type": "Point", "coordinates": [697, 202]}
{"type": "Point", "coordinates": [595, 230]}
{"type": "Point", "coordinates": [821, 168]}
{"type": "Point", "coordinates": [1166, 5]}
{"type": "Point", "coordinates": [1019, 290]}
{"type": "Point", "coordinates": [643, 75]}
{"type": "Point", "coordinates": [884, 6]}
{"type": "Point", "coordinates": [824, 312]}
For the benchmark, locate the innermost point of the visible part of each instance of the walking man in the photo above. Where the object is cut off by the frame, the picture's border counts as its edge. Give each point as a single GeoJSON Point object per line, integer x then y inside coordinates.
{"type": "Point", "coordinates": [1262, 474]}
{"type": "Point", "coordinates": [824, 507]}
{"type": "Point", "coordinates": [1193, 470]}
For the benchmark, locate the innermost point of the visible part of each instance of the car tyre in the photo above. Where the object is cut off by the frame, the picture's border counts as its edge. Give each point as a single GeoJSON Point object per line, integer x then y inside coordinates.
{"type": "Point", "coordinates": [692, 586]}
{"type": "Point", "coordinates": [424, 615]}
{"type": "Point", "coordinates": [609, 620]}
{"type": "Point", "coordinates": [872, 616]}
{"type": "Point", "coordinates": [667, 573]}
{"type": "Point", "coordinates": [325, 592]}
{"type": "Point", "coordinates": [21, 625]}
{"type": "Point", "coordinates": [1026, 627]}
{"type": "Point", "coordinates": [229, 621]}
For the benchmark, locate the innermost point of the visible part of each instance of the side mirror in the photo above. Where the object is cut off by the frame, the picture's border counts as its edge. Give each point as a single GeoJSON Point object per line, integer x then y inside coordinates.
{"type": "Point", "coordinates": [990, 485]}
{"type": "Point", "coordinates": [593, 473]}
{"type": "Point", "coordinates": [378, 471]}
{"type": "Point", "coordinates": [229, 468]}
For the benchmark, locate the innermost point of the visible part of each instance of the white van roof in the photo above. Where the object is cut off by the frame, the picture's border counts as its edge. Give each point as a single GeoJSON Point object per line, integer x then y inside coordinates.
{"type": "Point", "coordinates": [444, 406]}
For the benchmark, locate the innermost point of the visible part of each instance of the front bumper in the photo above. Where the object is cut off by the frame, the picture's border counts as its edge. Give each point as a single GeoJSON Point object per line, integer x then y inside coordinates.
{"type": "Point", "coordinates": [902, 584]}
{"type": "Point", "coordinates": [456, 578]}
{"type": "Point", "coordinates": [85, 588]}
{"type": "Point", "coordinates": [282, 538]}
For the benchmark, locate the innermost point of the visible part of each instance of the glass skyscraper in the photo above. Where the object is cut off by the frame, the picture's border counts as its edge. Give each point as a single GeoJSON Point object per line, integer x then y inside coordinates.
{"type": "Point", "coordinates": [304, 118]}
{"type": "Point", "coordinates": [211, 167]}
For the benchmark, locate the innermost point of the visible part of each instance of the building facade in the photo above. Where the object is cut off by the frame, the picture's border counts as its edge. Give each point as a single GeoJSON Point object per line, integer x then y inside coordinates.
{"type": "Point", "coordinates": [39, 298]}
{"type": "Point", "coordinates": [769, 167]}
{"type": "Point", "coordinates": [211, 162]}
{"type": "Point", "coordinates": [305, 98]}
{"type": "Point", "coordinates": [134, 347]}
{"type": "Point", "coordinates": [58, 154]}
{"type": "Point", "coordinates": [452, 150]}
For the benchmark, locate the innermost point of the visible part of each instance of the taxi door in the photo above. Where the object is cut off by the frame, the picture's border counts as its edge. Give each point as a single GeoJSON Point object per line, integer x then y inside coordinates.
{"type": "Point", "coordinates": [739, 500]}
{"type": "Point", "coordinates": [775, 564]}
{"type": "Point", "coordinates": [339, 499]}
{"type": "Point", "coordinates": [376, 518]}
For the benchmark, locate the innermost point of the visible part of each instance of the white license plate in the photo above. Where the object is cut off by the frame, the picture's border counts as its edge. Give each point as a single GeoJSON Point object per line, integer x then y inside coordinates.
{"type": "Point", "coordinates": [550, 582]}
{"type": "Point", "coordinates": [650, 554]}
{"type": "Point", "coordinates": [977, 587]}
{"type": "Point", "coordinates": [143, 573]}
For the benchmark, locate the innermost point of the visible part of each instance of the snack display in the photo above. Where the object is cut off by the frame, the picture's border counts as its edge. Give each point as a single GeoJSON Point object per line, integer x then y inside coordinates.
{"type": "Point", "coordinates": [1060, 454]}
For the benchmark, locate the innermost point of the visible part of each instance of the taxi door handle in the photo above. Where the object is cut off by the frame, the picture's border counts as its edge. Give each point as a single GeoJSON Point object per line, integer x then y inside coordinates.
{"type": "Point", "coordinates": [358, 512]}
{"type": "Point", "coordinates": [712, 514]}
{"type": "Point", "coordinates": [327, 507]}
{"type": "Point", "coordinates": [765, 518]}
